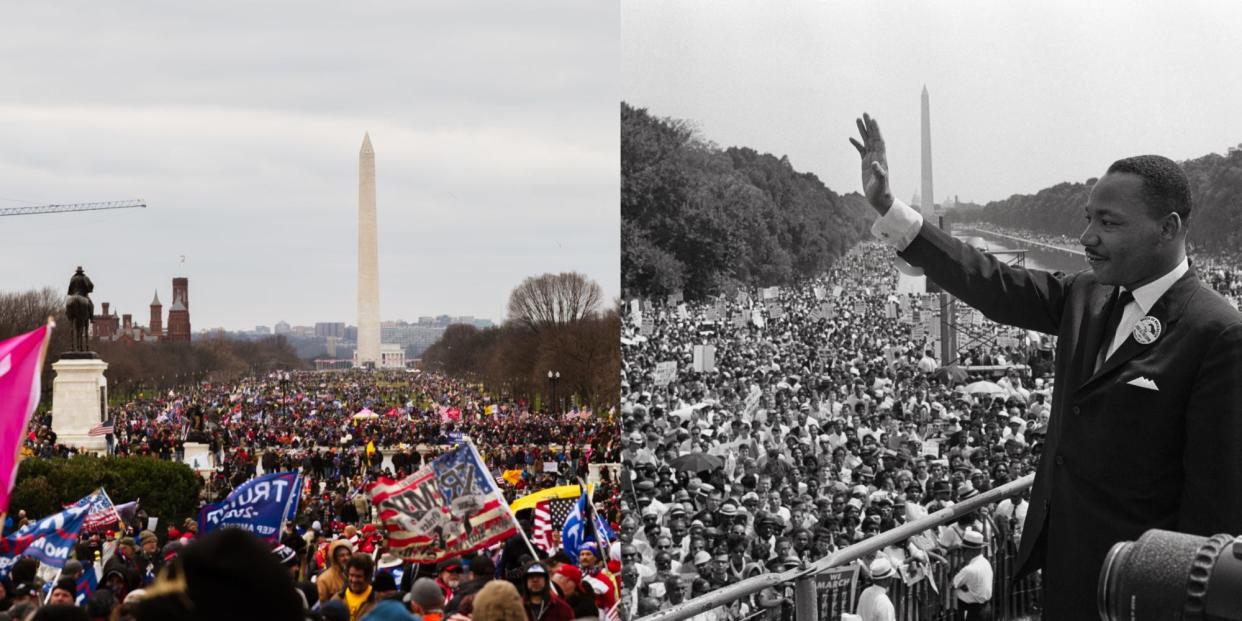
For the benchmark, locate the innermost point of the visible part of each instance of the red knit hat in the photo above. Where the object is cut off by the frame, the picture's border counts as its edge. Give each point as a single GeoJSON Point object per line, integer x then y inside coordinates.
{"type": "Point", "coordinates": [571, 572]}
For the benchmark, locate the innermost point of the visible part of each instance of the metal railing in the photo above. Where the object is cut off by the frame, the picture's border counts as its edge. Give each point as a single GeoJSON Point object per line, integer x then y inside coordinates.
{"type": "Point", "coordinates": [805, 600]}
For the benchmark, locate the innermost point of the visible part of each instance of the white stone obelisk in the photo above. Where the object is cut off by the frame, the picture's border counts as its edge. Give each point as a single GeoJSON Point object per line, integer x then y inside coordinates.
{"type": "Point", "coordinates": [911, 279]}
{"type": "Point", "coordinates": [927, 198]}
{"type": "Point", "coordinates": [368, 351]}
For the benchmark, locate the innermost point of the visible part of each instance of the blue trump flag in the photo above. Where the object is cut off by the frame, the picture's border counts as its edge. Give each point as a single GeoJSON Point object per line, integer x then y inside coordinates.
{"type": "Point", "coordinates": [259, 505]}
{"type": "Point", "coordinates": [87, 584]}
{"type": "Point", "coordinates": [603, 532]}
{"type": "Point", "coordinates": [292, 512]}
{"type": "Point", "coordinates": [573, 534]}
{"type": "Point", "coordinates": [50, 540]}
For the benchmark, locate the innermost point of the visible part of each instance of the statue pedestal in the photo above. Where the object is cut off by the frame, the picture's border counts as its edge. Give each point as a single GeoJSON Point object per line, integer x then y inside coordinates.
{"type": "Point", "coordinates": [198, 457]}
{"type": "Point", "coordinates": [79, 402]}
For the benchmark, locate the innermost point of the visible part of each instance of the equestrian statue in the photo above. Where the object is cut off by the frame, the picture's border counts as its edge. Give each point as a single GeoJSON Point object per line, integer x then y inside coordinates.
{"type": "Point", "coordinates": [79, 309]}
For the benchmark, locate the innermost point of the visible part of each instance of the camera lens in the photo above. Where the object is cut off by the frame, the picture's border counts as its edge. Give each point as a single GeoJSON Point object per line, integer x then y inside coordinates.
{"type": "Point", "coordinates": [1168, 575]}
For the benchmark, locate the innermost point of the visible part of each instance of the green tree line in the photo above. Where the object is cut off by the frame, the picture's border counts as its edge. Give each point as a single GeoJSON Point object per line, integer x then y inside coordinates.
{"type": "Point", "coordinates": [703, 220]}
{"type": "Point", "coordinates": [1215, 218]}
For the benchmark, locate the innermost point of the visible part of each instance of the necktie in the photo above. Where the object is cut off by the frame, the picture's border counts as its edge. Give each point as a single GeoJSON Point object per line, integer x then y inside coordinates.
{"type": "Point", "coordinates": [1110, 326]}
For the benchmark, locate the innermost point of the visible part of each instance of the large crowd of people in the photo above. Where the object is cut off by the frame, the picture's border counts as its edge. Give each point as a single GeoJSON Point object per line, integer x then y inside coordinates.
{"type": "Point", "coordinates": [825, 419]}
{"type": "Point", "coordinates": [341, 431]}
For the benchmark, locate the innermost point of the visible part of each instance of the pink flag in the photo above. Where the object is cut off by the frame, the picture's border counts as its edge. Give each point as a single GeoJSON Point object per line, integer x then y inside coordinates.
{"type": "Point", "coordinates": [21, 364]}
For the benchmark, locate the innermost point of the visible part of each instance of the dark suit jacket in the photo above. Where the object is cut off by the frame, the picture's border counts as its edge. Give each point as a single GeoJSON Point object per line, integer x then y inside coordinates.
{"type": "Point", "coordinates": [1118, 459]}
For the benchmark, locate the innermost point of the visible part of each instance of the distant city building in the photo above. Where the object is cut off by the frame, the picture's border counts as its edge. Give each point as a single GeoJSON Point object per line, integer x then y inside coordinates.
{"type": "Point", "coordinates": [303, 331]}
{"type": "Point", "coordinates": [179, 312]}
{"type": "Point", "coordinates": [392, 356]}
{"type": "Point", "coordinates": [418, 336]}
{"type": "Point", "coordinates": [326, 329]}
{"type": "Point", "coordinates": [351, 334]}
{"type": "Point", "coordinates": [262, 330]}
{"type": "Point", "coordinates": [282, 327]}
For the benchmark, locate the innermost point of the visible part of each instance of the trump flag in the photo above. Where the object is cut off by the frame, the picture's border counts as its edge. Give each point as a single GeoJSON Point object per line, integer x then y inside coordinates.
{"type": "Point", "coordinates": [259, 505]}
{"type": "Point", "coordinates": [448, 508]}
{"type": "Point", "coordinates": [21, 364]}
{"type": "Point", "coordinates": [50, 540]}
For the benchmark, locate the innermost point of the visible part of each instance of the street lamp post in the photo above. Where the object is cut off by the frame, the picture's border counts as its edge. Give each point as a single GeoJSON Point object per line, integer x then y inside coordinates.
{"type": "Point", "coordinates": [553, 378]}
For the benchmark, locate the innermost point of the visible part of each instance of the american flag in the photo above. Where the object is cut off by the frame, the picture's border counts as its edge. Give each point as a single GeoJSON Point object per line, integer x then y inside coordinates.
{"type": "Point", "coordinates": [102, 429]}
{"type": "Point", "coordinates": [550, 516]}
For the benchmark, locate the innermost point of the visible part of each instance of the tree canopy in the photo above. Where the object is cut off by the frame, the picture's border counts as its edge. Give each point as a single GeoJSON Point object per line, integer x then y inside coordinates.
{"type": "Point", "coordinates": [554, 324]}
{"type": "Point", "coordinates": [700, 219]}
{"type": "Point", "coordinates": [1215, 217]}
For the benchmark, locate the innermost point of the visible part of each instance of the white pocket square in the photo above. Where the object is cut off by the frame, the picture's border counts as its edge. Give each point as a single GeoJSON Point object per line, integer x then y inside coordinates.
{"type": "Point", "coordinates": [1143, 382]}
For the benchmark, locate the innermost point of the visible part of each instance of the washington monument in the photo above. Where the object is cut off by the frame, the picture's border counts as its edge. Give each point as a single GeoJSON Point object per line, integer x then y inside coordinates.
{"type": "Point", "coordinates": [368, 350]}
{"type": "Point", "coordinates": [927, 203]}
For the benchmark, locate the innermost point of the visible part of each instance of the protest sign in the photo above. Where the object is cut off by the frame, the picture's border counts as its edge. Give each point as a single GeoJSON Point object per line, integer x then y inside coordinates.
{"type": "Point", "coordinates": [647, 327]}
{"type": "Point", "coordinates": [665, 372]}
{"type": "Point", "coordinates": [704, 358]}
{"type": "Point", "coordinates": [835, 589]}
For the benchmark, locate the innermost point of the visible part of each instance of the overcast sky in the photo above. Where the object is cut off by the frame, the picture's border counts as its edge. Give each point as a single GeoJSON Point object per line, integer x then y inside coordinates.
{"type": "Point", "coordinates": [494, 126]}
{"type": "Point", "coordinates": [1023, 95]}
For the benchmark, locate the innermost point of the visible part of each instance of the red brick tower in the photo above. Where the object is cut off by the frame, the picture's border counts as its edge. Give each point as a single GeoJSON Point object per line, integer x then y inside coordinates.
{"type": "Point", "coordinates": [157, 317]}
{"type": "Point", "coordinates": [179, 312]}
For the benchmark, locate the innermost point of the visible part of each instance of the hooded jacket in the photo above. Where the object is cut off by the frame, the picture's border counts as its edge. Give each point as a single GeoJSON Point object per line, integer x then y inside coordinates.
{"type": "Point", "coordinates": [332, 580]}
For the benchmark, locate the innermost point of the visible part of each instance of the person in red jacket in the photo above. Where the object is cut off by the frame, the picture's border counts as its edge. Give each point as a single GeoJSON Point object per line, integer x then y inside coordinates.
{"type": "Point", "coordinates": [540, 600]}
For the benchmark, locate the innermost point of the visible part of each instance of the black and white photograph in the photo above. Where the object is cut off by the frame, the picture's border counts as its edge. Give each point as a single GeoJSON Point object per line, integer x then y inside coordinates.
{"type": "Point", "coordinates": [930, 310]}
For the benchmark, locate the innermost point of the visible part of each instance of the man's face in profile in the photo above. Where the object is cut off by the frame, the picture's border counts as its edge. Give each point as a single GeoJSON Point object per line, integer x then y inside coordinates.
{"type": "Point", "coordinates": [1123, 239]}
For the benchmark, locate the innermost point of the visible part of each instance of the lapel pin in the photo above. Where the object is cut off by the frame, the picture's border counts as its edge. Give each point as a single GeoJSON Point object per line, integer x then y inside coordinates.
{"type": "Point", "coordinates": [1147, 330]}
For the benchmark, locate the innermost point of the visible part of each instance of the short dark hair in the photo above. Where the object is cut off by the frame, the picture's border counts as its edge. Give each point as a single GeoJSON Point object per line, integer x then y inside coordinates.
{"type": "Point", "coordinates": [1165, 186]}
{"type": "Point", "coordinates": [482, 565]}
{"type": "Point", "coordinates": [362, 562]}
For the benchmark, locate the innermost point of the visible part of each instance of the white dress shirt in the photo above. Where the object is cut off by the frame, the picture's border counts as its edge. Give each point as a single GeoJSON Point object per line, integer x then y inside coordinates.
{"type": "Point", "coordinates": [976, 576]}
{"type": "Point", "coordinates": [1145, 297]}
{"type": "Point", "coordinates": [874, 605]}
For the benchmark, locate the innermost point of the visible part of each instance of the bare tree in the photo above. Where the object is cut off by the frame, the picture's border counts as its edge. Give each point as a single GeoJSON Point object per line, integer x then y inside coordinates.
{"type": "Point", "coordinates": [551, 300]}
{"type": "Point", "coordinates": [27, 310]}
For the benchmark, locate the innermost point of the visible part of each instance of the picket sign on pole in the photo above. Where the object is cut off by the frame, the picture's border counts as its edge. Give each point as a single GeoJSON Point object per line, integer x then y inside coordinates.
{"type": "Point", "coordinates": [488, 473]}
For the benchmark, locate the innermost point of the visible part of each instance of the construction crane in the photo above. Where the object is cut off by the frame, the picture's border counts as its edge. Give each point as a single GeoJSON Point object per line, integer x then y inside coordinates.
{"type": "Point", "coordinates": [23, 211]}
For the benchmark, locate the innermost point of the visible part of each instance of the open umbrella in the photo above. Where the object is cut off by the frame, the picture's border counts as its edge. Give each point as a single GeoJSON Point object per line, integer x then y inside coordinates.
{"type": "Point", "coordinates": [365, 414]}
{"type": "Point", "coordinates": [950, 375]}
{"type": "Point", "coordinates": [697, 462]}
{"type": "Point", "coordinates": [985, 387]}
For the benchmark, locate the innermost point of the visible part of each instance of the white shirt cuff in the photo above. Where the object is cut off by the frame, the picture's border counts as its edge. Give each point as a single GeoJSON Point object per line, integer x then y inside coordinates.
{"type": "Point", "coordinates": [899, 226]}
